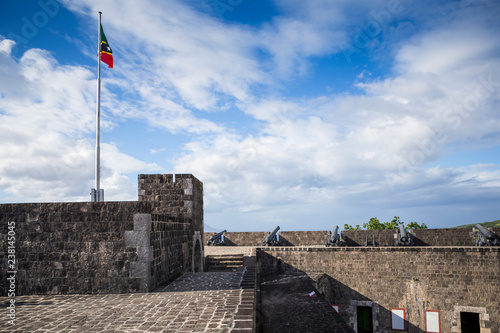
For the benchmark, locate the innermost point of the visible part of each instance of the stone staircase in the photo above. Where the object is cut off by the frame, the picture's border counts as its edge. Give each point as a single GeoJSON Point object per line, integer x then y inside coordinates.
{"type": "Point", "coordinates": [248, 277]}
{"type": "Point", "coordinates": [224, 262]}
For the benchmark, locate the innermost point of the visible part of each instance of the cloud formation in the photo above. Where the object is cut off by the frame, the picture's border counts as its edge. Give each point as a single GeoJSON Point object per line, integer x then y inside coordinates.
{"type": "Point", "coordinates": [48, 120]}
{"type": "Point", "coordinates": [264, 153]}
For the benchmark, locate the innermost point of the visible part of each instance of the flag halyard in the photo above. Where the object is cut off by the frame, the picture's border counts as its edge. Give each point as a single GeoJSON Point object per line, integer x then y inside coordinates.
{"type": "Point", "coordinates": [106, 52]}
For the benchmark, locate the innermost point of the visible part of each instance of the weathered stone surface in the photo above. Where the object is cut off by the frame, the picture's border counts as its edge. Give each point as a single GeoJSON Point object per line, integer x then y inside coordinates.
{"type": "Point", "coordinates": [105, 247]}
{"type": "Point", "coordinates": [303, 238]}
{"type": "Point", "coordinates": [287, 238]}
{"type": "Point", "coordinates": [421, 237]}
{"type": "Point", "coordinates": [196, 302]}
{"type": "Point", "coordinates": [182, 198]}
{"type": "Point", "coordinates": [413, 278]}
{"type": "Point", "coordinates": [358, 237]}
{"type": "Point", "coordinates": [287, 307]}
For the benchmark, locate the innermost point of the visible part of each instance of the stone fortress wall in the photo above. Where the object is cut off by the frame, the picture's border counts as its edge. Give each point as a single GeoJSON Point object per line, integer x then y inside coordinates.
{"type": "Point", "coordinates": [443, 275]}
{"type": "Point", "coordinates": [106, 247]}
{"type": "Point", "coordinates": [420, 280]}
{"type": "Point", "coordinates": [287, 238]}
{"type": "Point", "coordinates": [118, 247]}
{"type": "Point", "coordinates": [421, 237]}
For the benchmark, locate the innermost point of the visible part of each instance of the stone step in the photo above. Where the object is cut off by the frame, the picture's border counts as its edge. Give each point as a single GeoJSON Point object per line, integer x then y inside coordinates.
{"type": "Point", "coordinates": [225, 259]}
{"type": "Point", "coordinates": [222, 269]}
{"type": "Point", "coordinates": [224, 262]}
{"type": "Point", "coordinates": [248, 278]}
{"type": "Point", "coordinates": [226, 256]}
{"type": "Point", "coordinates": [224, 266]}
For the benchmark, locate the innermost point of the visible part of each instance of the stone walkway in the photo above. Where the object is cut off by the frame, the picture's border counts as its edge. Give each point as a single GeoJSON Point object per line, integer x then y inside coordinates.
{"type": "Point", "coordinates": [196, 302]}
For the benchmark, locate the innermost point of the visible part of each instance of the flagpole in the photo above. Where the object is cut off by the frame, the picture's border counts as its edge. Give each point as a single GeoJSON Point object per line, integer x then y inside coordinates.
{"type": "Point", "coordinates": [97, 192]}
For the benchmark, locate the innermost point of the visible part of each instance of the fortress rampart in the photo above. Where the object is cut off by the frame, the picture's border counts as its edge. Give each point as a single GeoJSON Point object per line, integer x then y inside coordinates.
{"type": "Point", "coordinates": [287, 238]}
{"type": "Point", "coordinates": [129, 247]}
{"type": "Point", "coordinates": [450, 280]}
{"type": "Point", "coordinates": [443, 276]}
{"type": "Point", "coordinates": [106, 247]}
{"type": "Point", "coordinates": [421, 237]}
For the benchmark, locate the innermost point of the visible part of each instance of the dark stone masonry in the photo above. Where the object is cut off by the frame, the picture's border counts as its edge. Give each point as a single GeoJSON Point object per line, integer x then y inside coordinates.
{"type": "Point", "coordinates": [107, 247]}
{"type": "Point", "coordinates": [451, 280]}
{"type": "Point", "coordinates": [220, 306]}
{"type": "Point", "coordinates": [143, 266]}
{"type": "Point", "coordinates": [421, 237]}
{"type": "Point", "coordinates": [287, 238]}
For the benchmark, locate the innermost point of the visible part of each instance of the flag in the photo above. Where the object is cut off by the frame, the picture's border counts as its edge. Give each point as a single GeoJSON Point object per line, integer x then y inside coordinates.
{"type": "Point", "coordinates": [106, 53]}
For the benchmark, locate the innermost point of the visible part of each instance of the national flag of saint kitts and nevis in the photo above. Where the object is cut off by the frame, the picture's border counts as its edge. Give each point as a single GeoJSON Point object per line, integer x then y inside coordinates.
{"type": "Point", "coordinates": [106, 53]}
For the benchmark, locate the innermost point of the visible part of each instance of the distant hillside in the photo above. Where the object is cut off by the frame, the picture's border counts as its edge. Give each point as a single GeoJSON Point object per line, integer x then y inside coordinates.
{"type": "Point", "coordinates": [207, 228]}
{"type": "Point", "coordinates": [484, 224]}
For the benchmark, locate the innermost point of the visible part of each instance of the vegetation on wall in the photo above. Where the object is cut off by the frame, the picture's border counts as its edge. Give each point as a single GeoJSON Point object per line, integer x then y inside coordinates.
{"type": "Point", "coordinates": [491, 224]}
{"type": "Point", "coordinates": [375, 224]}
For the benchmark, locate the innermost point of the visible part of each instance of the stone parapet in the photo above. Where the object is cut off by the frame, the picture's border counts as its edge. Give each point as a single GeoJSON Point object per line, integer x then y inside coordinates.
{"type": "Point", "coordinates": [71, 247]}
{"type": "Point", "coordinates": [416, 279]}
{"type": "Point", "coordinates": [241, 238]}
{"type": "Point", "coordinates": [421, 237]}
{"type": "Point", "coordinates": [286, 238]}
{"type": "Point", "coordinates": [105, 247]}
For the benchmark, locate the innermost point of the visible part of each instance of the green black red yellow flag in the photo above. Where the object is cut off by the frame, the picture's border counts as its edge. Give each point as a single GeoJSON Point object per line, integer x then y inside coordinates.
{"type": "Point", "coordinates": [106, 53]}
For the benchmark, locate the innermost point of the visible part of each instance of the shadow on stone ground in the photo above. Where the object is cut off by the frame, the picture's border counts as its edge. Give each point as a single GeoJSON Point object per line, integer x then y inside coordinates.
{"type": "Point", "coordinates": [287, 307]}
{"type": "Point", "coordinates": [196, 302]}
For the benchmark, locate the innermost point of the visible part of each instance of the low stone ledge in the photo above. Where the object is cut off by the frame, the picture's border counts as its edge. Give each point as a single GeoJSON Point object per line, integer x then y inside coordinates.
{"type": "Point", "coordinates": [382, 249]}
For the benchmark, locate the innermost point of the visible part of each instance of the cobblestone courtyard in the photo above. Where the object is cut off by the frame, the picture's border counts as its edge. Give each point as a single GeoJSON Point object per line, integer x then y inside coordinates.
{"type": "Point", "coordinates": [196, 302]}
{"type": "Point", "coordinates": [215, 302]}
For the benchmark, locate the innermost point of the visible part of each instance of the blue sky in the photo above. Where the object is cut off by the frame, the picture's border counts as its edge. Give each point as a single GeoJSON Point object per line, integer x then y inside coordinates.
{"type": "Point", "coordinates": [305, 114]}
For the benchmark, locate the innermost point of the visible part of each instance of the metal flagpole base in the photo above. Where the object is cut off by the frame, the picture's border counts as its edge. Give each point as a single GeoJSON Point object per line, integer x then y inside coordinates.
{"type": "Point", "coordinates": [96, 196]}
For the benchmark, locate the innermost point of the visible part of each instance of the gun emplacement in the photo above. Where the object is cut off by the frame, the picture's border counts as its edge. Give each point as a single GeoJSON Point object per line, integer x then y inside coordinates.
{"type": "Point", "coordinates": [404, 238]}
{"type": "Point", "coordinates": [334, 238]}
{"type": "Point", "coordinates": [272, 238]}
{"type": "Point", "coordinates": [217, 238]}
{"type": "Point", "coordinates": [486, 237]}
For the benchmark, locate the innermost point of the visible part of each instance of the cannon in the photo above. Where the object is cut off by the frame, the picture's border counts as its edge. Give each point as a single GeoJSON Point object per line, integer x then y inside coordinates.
{"type": "Point", "coordinates": [217, 239]}
{"type": "Point", "coordinates": [272, 238]}
{"type": "Point", "coordinates": [486, 237]}
{"type": "Point", "coordinates": [334, 238]}
{"type": "Point", "coordinates": [403, 238]}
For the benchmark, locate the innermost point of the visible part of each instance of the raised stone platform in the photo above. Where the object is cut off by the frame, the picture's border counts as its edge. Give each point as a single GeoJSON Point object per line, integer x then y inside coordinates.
{"type": "Point", "coordinates": [196, 302]}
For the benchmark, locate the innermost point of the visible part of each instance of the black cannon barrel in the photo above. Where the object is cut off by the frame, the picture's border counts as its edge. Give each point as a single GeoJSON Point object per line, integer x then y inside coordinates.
{"type": "Point", "coordinates": [216, 239]}
{"type": "Point", "coordinates": [335, 231]}
{"type": "Point", "coordinates": [271, 238]}
{"type": "Point", "coordinates": [274, 232]}
{"type": "Point", "coordinates": [486, 233]}
{"type": "Point", "coordinates": [404, 235]}
{"type": "Point", "coordinates": [334, 237]}
{"type": "Point", "coordinates": [217, 235]}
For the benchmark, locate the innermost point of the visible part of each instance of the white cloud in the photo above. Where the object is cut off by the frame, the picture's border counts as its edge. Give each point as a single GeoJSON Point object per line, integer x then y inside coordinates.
{"type": "Point", "coordinates": [6, 45]}
{"type": "Point", "coordinates": [188, 54]}
{"type": "Point", "coordinates": [47, 114]}
{"type": "Point", "coordinates": [446, 50]}
{"type": "Point", "coordinates": [178, 69]}
{"type": "Point", "coordinates": [369, 148]}
{"type": "Point", "coordinates": [156, 151]}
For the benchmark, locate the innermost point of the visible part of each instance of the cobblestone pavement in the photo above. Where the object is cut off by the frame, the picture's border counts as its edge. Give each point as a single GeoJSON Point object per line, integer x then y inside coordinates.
{"type": "Point", "coordinates": [287, 307]}
{"type": "Point", "coordinates": [196, 302]}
